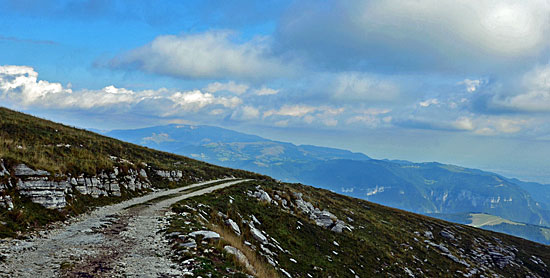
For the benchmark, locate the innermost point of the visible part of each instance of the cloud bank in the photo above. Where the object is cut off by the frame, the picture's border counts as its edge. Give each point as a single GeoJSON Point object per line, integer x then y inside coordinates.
{"type": "Point", "coordinates": [212, 54]}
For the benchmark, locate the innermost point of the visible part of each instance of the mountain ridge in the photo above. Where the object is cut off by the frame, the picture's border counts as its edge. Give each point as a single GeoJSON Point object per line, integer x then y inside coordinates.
{"type": "Point", "coordinates": [426, 188]}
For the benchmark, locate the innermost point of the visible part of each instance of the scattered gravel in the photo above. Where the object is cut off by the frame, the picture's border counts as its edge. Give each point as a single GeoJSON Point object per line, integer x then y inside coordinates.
{"type": "Point", "coordinates": [121, 240]}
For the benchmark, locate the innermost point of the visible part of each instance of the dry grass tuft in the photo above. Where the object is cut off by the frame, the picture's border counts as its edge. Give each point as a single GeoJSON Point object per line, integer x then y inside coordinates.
{"type": "Point", "coordinates": [263, 269]}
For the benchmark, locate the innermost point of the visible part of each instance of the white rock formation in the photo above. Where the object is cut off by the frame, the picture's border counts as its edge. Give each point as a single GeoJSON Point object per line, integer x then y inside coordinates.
{"type": "Point", "coordinates": [3, 170]}
{"type": "Point", "coordinates": [205, 234]}
{"type": "Point", "coordinates": [50, 194]}
{"type": "Point", "coordinates": [233, 226]}
{"type": "Point", "coordinates": [24, 170]}
{"type": "Point", "coordinates": [257, 234]}
{"type": "Point", "coordinates": [240, 257]}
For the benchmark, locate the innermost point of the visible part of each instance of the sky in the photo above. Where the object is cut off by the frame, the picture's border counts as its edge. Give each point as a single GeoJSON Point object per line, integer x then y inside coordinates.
{"type": "Point", "coordinates": [462, 82]}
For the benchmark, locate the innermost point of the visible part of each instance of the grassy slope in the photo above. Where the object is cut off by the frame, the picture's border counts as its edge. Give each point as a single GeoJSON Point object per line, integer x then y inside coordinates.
{"type": "Point", "coordinates": [383, 243]}
{"type": "Point", "coordinates": [33, 141]}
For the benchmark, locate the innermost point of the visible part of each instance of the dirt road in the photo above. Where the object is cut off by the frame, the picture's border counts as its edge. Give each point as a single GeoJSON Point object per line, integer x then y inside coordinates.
{"type": "Point", "coordinates": [120, 240]}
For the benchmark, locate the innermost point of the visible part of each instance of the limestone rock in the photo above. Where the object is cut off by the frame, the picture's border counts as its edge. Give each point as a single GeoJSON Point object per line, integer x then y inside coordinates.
{"type": "Point", "coordinates": [340, 226]}
{"type": "Point", "coordinates": [24, 170]}
{"type": "Point", "coordinates": [189, 244]}
{"type": "Point", "coordinates": [233, 226]}
{"type": "Point", "coordinates": [257, 234]}
{"type": "Point", "coordinates": [50, 194]}
{"type": "Point", "coordinates": [263, 196]}
{"type": "Point", "coordinates": [322, 218]}
{"type": "Point", "coordinates": [240, 257]}
{"type": "Point", "coordinates": [142, 173]}
{"type": "Point", "coordinates": [428, 235]}
{"type": "Point", "coordinates": [205, 234]}
{"type": "Point", "coordinates": [3, 170]}
{"type": "Point", "coordinates": [447, 234]}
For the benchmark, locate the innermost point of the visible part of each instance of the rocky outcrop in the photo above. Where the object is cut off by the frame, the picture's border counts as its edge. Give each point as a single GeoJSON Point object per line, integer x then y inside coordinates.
{"type": "Point", "coordinates": [110, 184]}
{"type": "Point", "coordinates": [205, 234]}
{"type": "Point", "coordinates": [24, 170]}
{"type": "Point", "coordinates": [322, 218]}
{"type": "Point", "coordinates": [174, 175]}
{"type": "Point", "coordinates": [239, 255]}
{"type": "Point", "coordinates": [257, 234]}
{"type": "Point", "coordinates": [41, 190]}
{"type": "Point", "coordinates": [52, 191]}
{"type": "Point", "coordinates": [234, 226]}
{"type": "Point", "coordinates": [3, 170]}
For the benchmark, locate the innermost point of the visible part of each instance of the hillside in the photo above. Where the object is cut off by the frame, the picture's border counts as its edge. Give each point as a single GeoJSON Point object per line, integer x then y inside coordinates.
{"type": "Point", "coordinates": [254, 225]}
{"type": "Point", "coordinates": [417, 187]}
{"type": "Point", "coordinates": [300, 231]}
{"type": "Point", "coordinates": [49, 165]}
{"type": "Point", "coordinates": [429, 188]}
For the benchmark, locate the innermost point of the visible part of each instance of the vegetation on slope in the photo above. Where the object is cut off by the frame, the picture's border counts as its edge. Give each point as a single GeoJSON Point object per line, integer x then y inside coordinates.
{"type": "Point", "coordinates": [66, 151]}
{"type": "Point", "coordinates": [61, 149]}
{"type": "Point", "coordinates": [383, 242]}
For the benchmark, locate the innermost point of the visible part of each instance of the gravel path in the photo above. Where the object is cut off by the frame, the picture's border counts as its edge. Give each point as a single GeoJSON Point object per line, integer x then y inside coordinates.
{"type": "Point", "coordinates": [120, 240]}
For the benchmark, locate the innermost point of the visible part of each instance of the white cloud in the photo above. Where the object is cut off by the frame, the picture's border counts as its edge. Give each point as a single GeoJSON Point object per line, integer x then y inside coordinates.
{"type": "Point", "coordinates": [464, 123]}
{"type": "Point", "coordinates": [291, 110]}
{"type": "Point", "coordinates": [264, 91]}
{"type": "Point", "coordinates": [507, 27]}
{"type": "Point", "coordinates": [371, 117]}
{"type": "Point", "coordinates": [375, 111]}
{"type": "Point", "coordinates": [471, 85]}
{"type": "Point", "coordinates": [361, 86]}
{"type": "Point", "coordinates": [309, 119]}
{"type": "Point", "coordinates": [429, 102]}
{"type": "Point", "coordinates": [494, 125]}
{"type": "Point", "coordinates": [20, 85]}
{"type": "Point", "coordinates": [420, 34]}
{"type": "Point", "coordinates": [212, 54]}
{"type": "Point", "coordinates": [196, 100]}
{"type": "Point", "coordinates": [230, 86]}
{"type": "Point", "coordinates": [536, 92]}
{"type": "Point", "coordinates": [330, 122]}
{"type": "Point", "coordinates": [246, 113]}
{"type": "Point", "coordinates": [216, 112]}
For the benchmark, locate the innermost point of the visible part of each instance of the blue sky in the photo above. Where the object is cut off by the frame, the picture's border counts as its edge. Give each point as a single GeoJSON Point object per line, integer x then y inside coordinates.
{"type": "Point", "coordinates": [463, 82]}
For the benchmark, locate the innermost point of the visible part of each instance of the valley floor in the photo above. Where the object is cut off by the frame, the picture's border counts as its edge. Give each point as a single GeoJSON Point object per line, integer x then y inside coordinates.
{"type": "Point", "coordinates": [121, 240]}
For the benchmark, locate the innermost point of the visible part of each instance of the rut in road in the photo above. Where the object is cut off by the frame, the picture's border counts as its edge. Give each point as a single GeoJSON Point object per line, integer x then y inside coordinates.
{"type": "Point", "coordinates": [120, 240]}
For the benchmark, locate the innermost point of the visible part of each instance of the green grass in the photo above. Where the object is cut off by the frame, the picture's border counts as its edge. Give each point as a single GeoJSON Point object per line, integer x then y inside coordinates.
{"type": "Point", "coordinates": [33, 141]}
{"type": "Point", "coordinates": [383, 243]}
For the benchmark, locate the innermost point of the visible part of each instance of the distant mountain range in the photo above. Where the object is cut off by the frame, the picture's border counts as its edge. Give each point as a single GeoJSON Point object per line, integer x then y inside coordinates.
{"type": "Point", "coordinates": [499, 224]}
{"type": "Point", "coordinates": [428, 188]}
